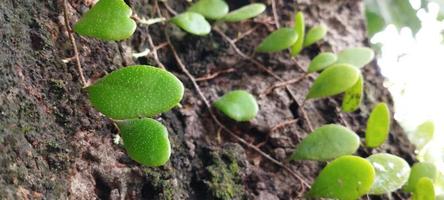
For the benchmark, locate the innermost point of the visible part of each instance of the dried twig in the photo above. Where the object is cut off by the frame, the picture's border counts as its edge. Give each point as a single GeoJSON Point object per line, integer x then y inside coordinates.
{"type": "Point", "coordinates": [282, 84]}
{"type": "Point", "coordinates": [275, 15]}
{"type": "Point", "coordinates": [154, 49]}
{"type": "Point", "coordinates": [73, 42]}
{"type": "Point", "coordinates": [215, 74]}
{"type": "Point", "coordinates": [283, 124]}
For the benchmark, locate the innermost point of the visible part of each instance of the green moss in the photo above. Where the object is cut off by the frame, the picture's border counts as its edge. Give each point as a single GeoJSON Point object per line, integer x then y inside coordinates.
{"type": "Point", "coordinates": [159, 184]}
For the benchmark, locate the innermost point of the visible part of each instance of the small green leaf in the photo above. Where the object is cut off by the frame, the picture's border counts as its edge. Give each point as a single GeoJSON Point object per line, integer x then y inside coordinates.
{"type": "Point", "coordinates": [419, 170]}
{"type": "Point", "coordinates": [334, 80]}
{"type": "Point", "coordinates": [315, 34]}
{"type": "Point", "coordinates": [238, 105]}
{"type": "Point", "coordinates": [358, 57]}
{"type": "Point", "coordinates": [193, 23]}
{"type": "Point", "coordinates": [299, 26]}
{"type": "Point", "coordinates": [322, 61]}
{"type": "Point", "coordinates": [392, 173]}
{"type": "Point", "coordinates": [353, 96]}
{"type": "Point", "coordinates": [107, 20]}
{"type": "Point", "coordinates": [346, 178]}
{"type": "Point", "coordinates": [136, 91]}
{"type": "Point", "coordinates": [278, 40]}
{"type": "Point", "coordinates": [246, 12]}
{"type": "Point", "coordinates": [326, 143]}
{"type": "Point", "coordinates": [424, 189]}
{"type": "Point", "coordinates": [211, 9]}
{"type": "Point", "coordinates": [378, 125]}
{"type": "Point", "coordinates": [146, 141]}
{"type": "Point", "coordinates": [423, 134]}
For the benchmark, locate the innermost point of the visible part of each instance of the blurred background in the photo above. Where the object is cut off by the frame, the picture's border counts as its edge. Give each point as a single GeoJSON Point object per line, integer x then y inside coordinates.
{"type": "Point", "coordinates": [409, 38]}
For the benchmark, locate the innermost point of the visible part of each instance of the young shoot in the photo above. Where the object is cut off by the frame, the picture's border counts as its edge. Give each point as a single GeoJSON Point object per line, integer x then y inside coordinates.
{"type": "Point", "coordinates": [424, 189]}
{"type": "Point", "coordinates": [392, 173]}
{"type": "Point", "coordinates": [378, 126]}
{"type": "Point", "coordinates": [278, 40]}
{"type": "Point", "coordinates": [346, 178]}
{"type": "Point", "coordinates": [315, 34]}
{"type": "Point", "coordinates": [238, 105]}
{"type": "Point", "coordinates": [136, 91]}
{"type": "Point", "coordinates": [353, 96]}
{"type": "Point", "coordinates": [419, 170]}
{"type": "Point", "coordinates": [246, 12]}
{"type": "Point", "coordinates": [299, 26]}
{"type": "Point", "coordinates": [326, 143]}
{"type": "Point", "coordinates": [193, 23]}
{"type": "Point", "coordinates": [146, 141]}
{"type": "Point", "coordinates": [108, 20]}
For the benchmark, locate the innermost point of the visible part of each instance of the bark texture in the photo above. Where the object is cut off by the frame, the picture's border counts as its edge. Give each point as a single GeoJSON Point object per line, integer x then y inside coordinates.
{"type": "Point", "coordinates": [53, 145]}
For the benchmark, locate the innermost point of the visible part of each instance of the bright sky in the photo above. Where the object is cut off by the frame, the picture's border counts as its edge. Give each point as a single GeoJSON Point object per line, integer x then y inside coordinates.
{"type": "Point", "coordinates": [414, 69]}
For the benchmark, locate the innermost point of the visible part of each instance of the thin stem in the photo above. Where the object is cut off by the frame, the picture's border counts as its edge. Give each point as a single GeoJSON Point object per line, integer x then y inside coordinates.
{"type": "Point", "coordinates": [275, 15]}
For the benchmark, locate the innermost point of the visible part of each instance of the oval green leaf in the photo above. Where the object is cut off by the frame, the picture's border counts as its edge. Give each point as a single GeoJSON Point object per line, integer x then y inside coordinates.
{"type": "Point", "coordinates": [299, 26]}
{"type": "Point", "coordinates": [107, 20]}
{"type": "Point", "coordinates": [353, 96]}
{"type": "Point", "coordinates": [358, 57]}
{"type": "Point", "coordinates": [239, 105]}
{"type": "Point", "coordinates": [278, 40]}
{"type": "Point", "coordinates": [418, 171]}
{"type": "Point", "coordinates": [146, 141]}
{"type": "Point", "coordinates": [423, 134]}
{"type": "Point", "coordinates": [378, 126]}
{"type": "Point", "coordinates": [193, 23]}
{"type": "Point", "coordinates": [246, 12]}
{"type": "Point", "coordinates": [346, 178]}
{"type": "Point", "coordinates": [315, 34]}
{"type": "Point", "coordinates": [334, 80]}
{"type": "Point", "coordinates": [392, 173]}
{"type": "Point", "coordinates": [211, 9]}
{"type": "Point", "coordinates": [322, 61]}
{"type": "Point", "coordinates": [136, 91]}
{"type": "Point", "coordinates": [424, 189]}
{"type": "Point", "coordinates": [326, 143]}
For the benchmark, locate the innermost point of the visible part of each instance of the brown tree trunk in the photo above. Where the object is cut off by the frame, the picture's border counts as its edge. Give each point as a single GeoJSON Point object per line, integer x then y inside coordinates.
{"type": "Point", "coordinates": [53, 145]}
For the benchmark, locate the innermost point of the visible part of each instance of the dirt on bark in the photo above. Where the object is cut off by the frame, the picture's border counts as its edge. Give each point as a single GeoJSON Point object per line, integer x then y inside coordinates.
{"type": "Point", "coordinates": [54, 145]}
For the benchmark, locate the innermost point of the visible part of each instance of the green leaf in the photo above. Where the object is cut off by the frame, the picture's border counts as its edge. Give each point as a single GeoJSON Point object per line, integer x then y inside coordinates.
{"type": "Point", "coordinates": [278, 40]}
{"type": "Point", "coordinates": [322, 61]}
{"type": "Point", "coordinates": [107, 20]}
{"type": "Point", "coordinates": [353, 96]}
{"type": "Point", "coordinates": [334, 80]}
{"type": "Point", "coordinates": [211, 9]}
{"type": "Point", "coordinates": [146, 141]}
{"type": "Point", "coordinates": [299, 26]}
{"type": "Point", "coordinates": [239, 105]}
{"type": "Point", "coordinates": [419, 170]}
{"type": "Point", "coordinates": [136, 91]}
{"type": "Point", "coordinates": [423, 134]}
{"type": "Point", "coordinates": [375, 23]}
{"type": "Point", "coordinates": [246, 12]}
{"type": "Point", "coordinates": [346, 178]}
{"type": "Point", "coordinates": [358, 56]}
{"type": "Point", "coordinates": [326, 143]}
{"type": "Point", "coordinates": [193, 23]}
{"type": "Point", "coordinates": [392, 173]}
{"type": "Point", "coordinates": [378, 125]}
{"type": "Point", "coordinates": [315, 34]}
{"type": "Point", "coordinates": [424, 189]}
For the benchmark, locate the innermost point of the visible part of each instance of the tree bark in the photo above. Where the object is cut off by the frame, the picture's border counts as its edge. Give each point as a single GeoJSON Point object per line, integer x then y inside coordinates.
{"type": "Point", "coordinates": [54, 145]}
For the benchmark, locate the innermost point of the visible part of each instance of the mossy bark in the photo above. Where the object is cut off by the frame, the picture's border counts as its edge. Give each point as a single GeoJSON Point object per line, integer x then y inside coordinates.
{"type": "Point", "coordinates": [53, 145]}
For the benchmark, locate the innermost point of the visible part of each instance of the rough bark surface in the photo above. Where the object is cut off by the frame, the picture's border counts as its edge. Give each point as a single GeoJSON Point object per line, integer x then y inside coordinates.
{"type": "Point", "coordinates": [54, 145]}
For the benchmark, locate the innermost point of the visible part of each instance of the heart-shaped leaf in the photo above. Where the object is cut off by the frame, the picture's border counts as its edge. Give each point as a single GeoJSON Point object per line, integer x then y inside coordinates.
{"type": "Point", "coordinates": [423, 134]}
{"type": "Point", "coordinates": [246, 12]}
{"type": "Point", "coordinates": [146, 141]}
{"type": "Point", "coordinates": [326, 143]}
{"type": "Point", "coordinates": [107, 20]}
{"type": "Point", "coordinates": [392, 173]}
{"type": "Point", "coordinates": [238, 105]}
{"type": "Point", "coordinates": [424, 189]}
{"type": "Point", "coordinates": [419, 170]}
{"type": "Point", "coordinates": [353, 96]}
{"type": "Point", "coordinates": [378, 126]}
{"type": "Point", "coordinates": [211, 9]}
{"type": "Point", "coordinates": [136, 91]}
{"type": "Point", "coordinates": [358, 57]}
{"type": "Point", "coordinates": [315, 34]}
{"type": "Point", "coordinates": [346, 178]}
{"type": "Point", "coordinates": [278, 40]}
{"type": "Point", "coordinates": [322, 61]}
{"type": "Point", "coordinates": [299, 26]}
{"type": "Point", "coordinates": [334, 80]}
{"type": "Point", "coordinates": [193, 23]}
